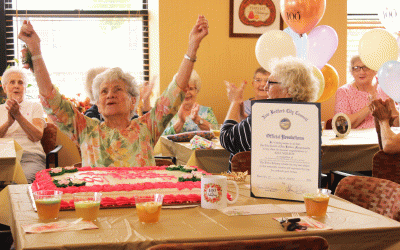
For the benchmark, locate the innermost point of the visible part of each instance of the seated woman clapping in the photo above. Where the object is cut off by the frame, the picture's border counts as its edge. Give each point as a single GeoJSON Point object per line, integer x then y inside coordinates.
{"type": "Point", "coordinates": [191, 116]}
{"type": "Point", "coordinates": [260, 79]}
{"type": "Point", "coordinates": [118, 141]}
{"type": "Point", "coordinates": [354, 98]}
{"type": "Point", "coordinates": [23, 121]}
{"type": "Point", "coordinates": [291, 79]}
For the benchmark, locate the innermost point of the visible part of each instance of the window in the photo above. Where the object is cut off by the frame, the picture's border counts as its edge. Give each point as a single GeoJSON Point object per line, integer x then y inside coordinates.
{"type": "Point", "coordinates": [77, 35]}
{"type": "Point", "coordinates": [361, 17]}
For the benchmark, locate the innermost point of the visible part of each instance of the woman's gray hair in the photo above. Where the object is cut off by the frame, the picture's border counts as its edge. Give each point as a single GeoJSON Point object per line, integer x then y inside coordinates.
{"type": "Point", "coordinates": [353, 60]}
{"type": "Point", "coordinates": [297, 76]}
{"type": "Point", "coordinates": [195, 78]}
{"type": "Point", "coordinates": [90, 75]}
{"type": "Point", "coordinates": [116, 74]}
{"type": "Point", "coordinates": [5, 79]}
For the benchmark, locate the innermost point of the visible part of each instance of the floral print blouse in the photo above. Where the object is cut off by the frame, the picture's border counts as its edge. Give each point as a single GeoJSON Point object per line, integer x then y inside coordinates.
{"type": "Point", "coordinates": [205, 113]}
{"type": "Point", "coordinates": [102, 146]}
{"type": "Point", "coordinates": [350, 100]}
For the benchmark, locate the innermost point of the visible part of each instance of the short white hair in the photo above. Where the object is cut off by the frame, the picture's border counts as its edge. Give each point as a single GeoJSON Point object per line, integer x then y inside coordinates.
{"type": "Point", "coordinates": [116, 74]}
{"type": "Point", "coordinates": [5, 79]}
{"type": "Point", "coordinates": [297, 76]}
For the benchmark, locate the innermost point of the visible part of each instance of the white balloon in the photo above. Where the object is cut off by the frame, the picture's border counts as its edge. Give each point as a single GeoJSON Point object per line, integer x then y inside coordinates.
{"type": "Point", "coordinates": [389, 14]}
{"type": "Point", "coordinates": [274, 44]}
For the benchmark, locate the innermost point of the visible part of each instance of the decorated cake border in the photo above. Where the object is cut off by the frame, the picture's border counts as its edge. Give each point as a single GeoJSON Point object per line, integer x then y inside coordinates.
{"type": "Point", "coordinates": [44, 181]}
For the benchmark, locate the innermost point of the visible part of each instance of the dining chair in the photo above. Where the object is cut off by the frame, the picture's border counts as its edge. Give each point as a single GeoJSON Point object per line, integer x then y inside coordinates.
{"type": "Point", "coordinates": [375, 194]}
{"type": "Point", "coordinates": [241, 162]}
{"type": "Point", "coordinates": [165, 160]}
{"type": "Point", "coordinates": [295, 243]}
{"type": "Point", "coordinates": [49, 144]}
{"type": "Point", "coordinates": [386, 166]}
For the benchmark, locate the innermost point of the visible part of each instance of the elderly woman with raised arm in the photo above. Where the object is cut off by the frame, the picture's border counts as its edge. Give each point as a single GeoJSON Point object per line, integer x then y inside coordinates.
{"type": "Point", "coordinates": [353, 99]}
{"type": "Point", "coordinates": [23, 121]}
{"type": "Point", "coordinates": [191, 116]}
{"type": "Point", "coordinates": [118, 141]}
{"type": "Point", "coordinates": [291, 79]}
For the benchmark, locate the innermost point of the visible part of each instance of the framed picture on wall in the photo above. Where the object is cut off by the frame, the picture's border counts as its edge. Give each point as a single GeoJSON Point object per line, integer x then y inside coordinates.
{"type": "Point", "coordinates": [251, 18]}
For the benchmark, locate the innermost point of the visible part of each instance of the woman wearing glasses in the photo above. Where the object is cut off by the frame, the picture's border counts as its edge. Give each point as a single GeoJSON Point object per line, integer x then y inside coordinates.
{"type": "Point", "coordinates": [354, 98]}
{"type": "Point", "coordinates": [259, 80]}
{"type": "Point", "coordinates": [291, 80]}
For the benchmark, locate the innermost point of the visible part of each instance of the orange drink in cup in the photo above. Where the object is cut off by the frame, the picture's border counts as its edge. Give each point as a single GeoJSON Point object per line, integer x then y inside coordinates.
{"type": "Point", "coordinates": [148, 207]}
{"type": "Point", "coordinates": [216, 129]}
{"type": "Point", "coordinates": [47, 204]}
{"type": "Point", "coordinates": [317, 203]}
{"type": "Point", "coordinates": [87, 205]}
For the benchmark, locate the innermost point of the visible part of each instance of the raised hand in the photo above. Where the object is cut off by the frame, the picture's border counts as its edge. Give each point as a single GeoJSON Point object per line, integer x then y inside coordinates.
{"type": "Point", "coordinates": [147, 89]}
{"type": "Point", "coordinates": [199, 31]}
{"type": "Point", "coordinates": [30, 37]}
{"type": "Point", "coordinates": [235, 94]}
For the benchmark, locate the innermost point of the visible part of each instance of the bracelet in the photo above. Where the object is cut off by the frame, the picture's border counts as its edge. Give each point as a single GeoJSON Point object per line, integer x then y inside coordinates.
{"type": "Point", "coordinates": [36, 57]}
{"type": "Point", "coordinates": [189, 58]}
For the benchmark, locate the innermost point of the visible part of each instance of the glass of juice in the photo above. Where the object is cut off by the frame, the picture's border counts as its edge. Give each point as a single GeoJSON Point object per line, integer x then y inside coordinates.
{"type": "Point", "coordinates": [87, 205]}
{"type": "Point", "coordinates": [148, 207]}
{"type": "Point", "coordinates": [216, 129]}
{"type": "Point", "coordinates": [47, 204]}
{"type": "Point", "coordinates": [317, 202]}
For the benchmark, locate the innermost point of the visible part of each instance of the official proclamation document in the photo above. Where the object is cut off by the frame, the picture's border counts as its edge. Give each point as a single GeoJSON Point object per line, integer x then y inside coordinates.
{"type": "Point", "coordinates": [285, 149]}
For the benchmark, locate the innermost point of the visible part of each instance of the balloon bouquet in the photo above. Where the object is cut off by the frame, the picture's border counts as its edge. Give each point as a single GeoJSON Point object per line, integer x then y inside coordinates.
{"type": "Point", "coordinates": [379, 49]}
{"type": "Point", "coordinates": [317, 47]}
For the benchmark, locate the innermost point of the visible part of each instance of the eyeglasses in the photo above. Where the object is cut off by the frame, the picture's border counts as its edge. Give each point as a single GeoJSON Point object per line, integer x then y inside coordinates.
{"type": "Point", "coordinates": [259, 80]}
{"type": "Point", "coordinates": [269, 83]}
{"type": "Point", "coordinates": [358, 68]}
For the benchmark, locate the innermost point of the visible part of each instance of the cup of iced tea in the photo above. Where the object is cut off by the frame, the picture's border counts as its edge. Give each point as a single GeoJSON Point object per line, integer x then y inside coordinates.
{"type": "Point", "coordinates": [47, 203]}
{"type": "Point", "coordinates": [317, 203]}
{"type": "Point", "coordinates": [87, 205]}
{"type": "Point", "coordinates": [148, 207]}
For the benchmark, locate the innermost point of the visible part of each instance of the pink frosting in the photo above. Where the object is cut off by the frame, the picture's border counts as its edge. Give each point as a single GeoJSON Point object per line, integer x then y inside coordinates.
{"type": "Point", "coordinates": [44, 181]}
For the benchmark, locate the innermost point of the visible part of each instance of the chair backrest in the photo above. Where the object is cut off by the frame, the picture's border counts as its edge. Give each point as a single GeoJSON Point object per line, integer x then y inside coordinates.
{"type": "Point", "coordinates": [386, 166]}
{"type": "Point", "coordinates": [241, 162]}
{"type": "Point", "coordinates": [328, 124]}
{"type": "Point", "coordinates": [296, 243]}
{"type": "Point", "coordinates": [49, 139]}
{"type": "Point", "coordinates": [378, 195]}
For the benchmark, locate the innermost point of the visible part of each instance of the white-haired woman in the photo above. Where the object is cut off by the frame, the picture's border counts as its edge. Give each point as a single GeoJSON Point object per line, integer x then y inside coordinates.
{"type": "Point", "coordinates": [291, 80]}
{"type": "Point", "coordinates": [191, 116]}
{"type": "Point", "coordinates": [354, 98]}
{"type": "Point", "coordinates": [118, 141]}
{"type": "Point", "coordinates": [23, 121]}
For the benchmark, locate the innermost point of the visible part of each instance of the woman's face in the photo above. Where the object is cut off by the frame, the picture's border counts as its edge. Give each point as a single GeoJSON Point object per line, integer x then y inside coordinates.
{"type": "Point", "coordinates": [259, 82]}
{"type": "Point", "coordinates": [274, 88]}
{"type": "Point", "coordinates": [191, 94]}
{"type": "Point", "coordinates": [361, 73]}
{"type": "Point", "coordinates": [15, 88]}
{"type": "Point", "coordinates": [114, 99]}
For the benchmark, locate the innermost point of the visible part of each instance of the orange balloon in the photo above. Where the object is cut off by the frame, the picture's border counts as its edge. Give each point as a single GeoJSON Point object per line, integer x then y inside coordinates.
{"type": "Point", "coordinates": [331, 82]}
{"type": "Point", "coordinates": [302, 15]}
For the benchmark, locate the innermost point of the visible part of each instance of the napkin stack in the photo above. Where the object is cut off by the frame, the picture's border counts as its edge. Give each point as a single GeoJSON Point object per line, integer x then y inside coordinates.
{"type": "Point", "coordinates": [198, 142]}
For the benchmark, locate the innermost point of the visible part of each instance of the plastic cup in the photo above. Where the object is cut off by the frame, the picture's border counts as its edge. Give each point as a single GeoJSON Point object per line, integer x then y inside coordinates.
{"type": "Point", "coordinates": [47, 204]}
{"type": "Point", "coordinates": [148, 207]}
{"type": "Point", "coordinates": [216, 129]}
{"type": "Point", "coordinates": [317, 203]}
{"type": "Point", "coordinates": [87, 205]}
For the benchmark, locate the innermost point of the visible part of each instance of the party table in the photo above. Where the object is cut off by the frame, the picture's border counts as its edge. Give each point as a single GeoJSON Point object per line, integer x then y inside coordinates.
{"type": "Point", "coordinates": [353, 227]}
{"type": "Point", "coordinates": [214, 160]}
{"type": "Point", "coordinates": [351, 153]}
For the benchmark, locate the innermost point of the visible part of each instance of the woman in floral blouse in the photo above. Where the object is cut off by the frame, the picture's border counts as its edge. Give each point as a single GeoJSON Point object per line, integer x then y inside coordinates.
{"type": "Point", "coordinates": [118, 141]}
{"type": "Point", "coordinates": [191, 116]}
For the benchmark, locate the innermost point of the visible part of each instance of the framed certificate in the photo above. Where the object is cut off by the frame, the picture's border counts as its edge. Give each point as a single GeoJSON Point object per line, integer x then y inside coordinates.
{"type": "Point", "coordinates": [285, 149]}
